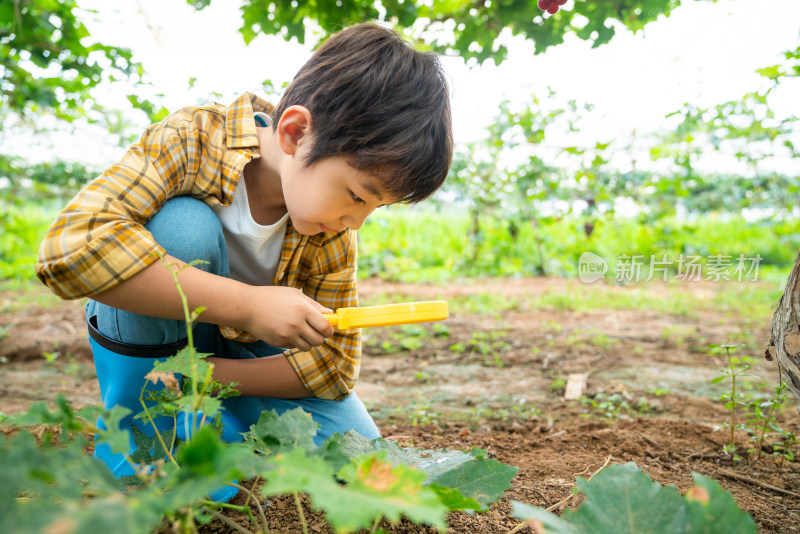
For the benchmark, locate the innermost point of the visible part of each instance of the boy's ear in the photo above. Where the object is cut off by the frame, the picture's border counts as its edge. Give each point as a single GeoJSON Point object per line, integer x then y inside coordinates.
{"type": "Point", "coordinates": [294, 127]}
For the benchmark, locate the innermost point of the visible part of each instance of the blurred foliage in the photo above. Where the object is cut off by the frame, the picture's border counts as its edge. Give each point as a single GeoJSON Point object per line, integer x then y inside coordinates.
{"type": "Point", "coordinates": [30, 194]}
{"type": "Point", "coordinates": [49, 66]}
{"type": "Point", "coordinates": [463, 27]}
{"type": "Point", "coordinates": [431, 245]}
{"type": "Point", "coordinates": [532, 172]}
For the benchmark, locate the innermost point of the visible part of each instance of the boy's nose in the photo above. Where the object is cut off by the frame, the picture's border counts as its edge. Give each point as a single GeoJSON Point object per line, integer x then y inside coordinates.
{"type": "Point", "coordinates": [355, 221]}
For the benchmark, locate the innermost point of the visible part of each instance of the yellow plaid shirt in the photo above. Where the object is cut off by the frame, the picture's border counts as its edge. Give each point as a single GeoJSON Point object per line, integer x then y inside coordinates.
{"type": "Point", "coordinates": [99, 240]}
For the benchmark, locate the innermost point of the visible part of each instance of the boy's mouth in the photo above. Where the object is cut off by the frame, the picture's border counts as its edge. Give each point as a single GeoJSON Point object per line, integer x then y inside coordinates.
{"type": "Point", "coordinates": [327, 230]}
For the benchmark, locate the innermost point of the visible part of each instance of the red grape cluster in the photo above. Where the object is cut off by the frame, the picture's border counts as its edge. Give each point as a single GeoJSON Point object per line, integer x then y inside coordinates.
{"type": "Point", "coordinates": [551, 6]}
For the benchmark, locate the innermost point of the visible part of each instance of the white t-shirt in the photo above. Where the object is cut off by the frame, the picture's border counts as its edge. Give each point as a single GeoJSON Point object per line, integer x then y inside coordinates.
{"type": "Point", "coordinates": [253, 250]}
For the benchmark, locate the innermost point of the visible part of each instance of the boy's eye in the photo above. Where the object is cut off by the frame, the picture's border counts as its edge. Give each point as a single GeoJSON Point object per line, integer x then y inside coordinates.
{"type": "Point", "coordinates": [357, 199]}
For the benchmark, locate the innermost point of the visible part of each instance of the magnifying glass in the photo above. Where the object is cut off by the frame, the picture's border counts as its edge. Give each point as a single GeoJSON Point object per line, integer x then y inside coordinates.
{"type": "Point", "coordinates": [388, 314]}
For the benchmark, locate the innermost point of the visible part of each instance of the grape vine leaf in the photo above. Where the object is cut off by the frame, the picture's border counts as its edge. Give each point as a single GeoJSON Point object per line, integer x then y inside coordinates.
{"type": "Point", "coordinates": [375, 489]}
{"type": "Point", "coordinates": [470, 473]}
{"type": "Point", "coordinates": [454, 500]}
{"type": "Point", "coordinates": [431, 462]}
{"type": "Point", "coordinates": [275, 433]}
{"type": "Point", "coordinates": [186, 362]}
{"type": "Point", "coordinates": [549, 522]}
{"type": "Point", "coordinates": [717, 513]}
{"type": "Point", "coordinates": [623, 499]}
{"type": "Point", "coordinates": [481, 479]}
{"type": "Point", "coordinates": [113, 435]}
{"type": "Point", "coordinates": [149, 449]}
{"type": "Point", "coordinates": [44, 484]}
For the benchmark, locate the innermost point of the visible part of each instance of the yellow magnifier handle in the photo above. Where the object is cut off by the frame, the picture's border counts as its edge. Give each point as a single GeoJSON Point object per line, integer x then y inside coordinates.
{"type": "Point", "coordinates": [388, 314]}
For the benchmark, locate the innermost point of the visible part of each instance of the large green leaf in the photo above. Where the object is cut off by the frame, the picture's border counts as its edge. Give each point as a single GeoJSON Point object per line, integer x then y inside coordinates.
{"type": "Point", "coordinates": [622, 499]}
{"type": "Point", "coordinates": [712, 509]}
{"type": "Point", "coordinates": [479, 479]}
{"type": "Point", "coordinates": [431, 462]}
{"type": "Point", "coordinates": [275, 433]}
{"type": "Point", "coordinates": [550, 522]}
{"type": "Point", "coordinates": [376, 489]}
{"type": "Point", "coordinates": [470, 473]}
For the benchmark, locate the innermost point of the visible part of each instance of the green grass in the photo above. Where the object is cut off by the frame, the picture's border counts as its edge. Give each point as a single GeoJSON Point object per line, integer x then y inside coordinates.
{"type": "Point", "coordinates": [24, 228]}
{"type": "Point", "coordinates": [419, 244]}
{"type": "Point", "coordinates": [415, 244]}
{"type": "Point", "coordinates": [716, 300]}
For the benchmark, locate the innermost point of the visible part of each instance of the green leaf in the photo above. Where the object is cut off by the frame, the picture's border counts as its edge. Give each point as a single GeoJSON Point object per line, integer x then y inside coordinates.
{"type": "Point", "coordinates": [711, 509]}
{"type": "Point", "coordinates": [149, 449]}
{"type": "Point", "coordinates": [186, 362]}
{"type": "Point", "coordinates": [621, 498]}
{"type": "Point", "coordinates": [431, 462]}
{"type": "Point", "coordinates": [199, 454]}
{"type": "Point", "coordinates": [467, 472]}
{"type": "Point", "coordinates": [376, 489]}
{"type": "Point", "coordinates": [275, 433]}
{"type": "Point", "coordinates": [454, 500]}
{"type": "Point", "coordinates": [480, 479]}
{"type": "Point", "coordinates": [551, 522]}
{"type": "Point", "coordinates": [114, 436]}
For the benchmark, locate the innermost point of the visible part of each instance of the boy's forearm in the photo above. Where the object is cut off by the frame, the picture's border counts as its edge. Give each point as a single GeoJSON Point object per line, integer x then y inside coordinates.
{"type": "Point", "coordinates": [271, 376]}
{"type": "Point", "coordinates": [153, 292]}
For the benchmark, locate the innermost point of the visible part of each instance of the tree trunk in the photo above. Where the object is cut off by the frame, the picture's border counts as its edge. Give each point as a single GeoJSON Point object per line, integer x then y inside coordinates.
{"type": "Point", "coordinates": [785, 341]}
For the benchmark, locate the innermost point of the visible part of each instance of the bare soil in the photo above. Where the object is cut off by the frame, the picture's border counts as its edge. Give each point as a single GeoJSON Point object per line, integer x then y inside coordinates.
{"type": "Point", "coordinates": [496, 380]}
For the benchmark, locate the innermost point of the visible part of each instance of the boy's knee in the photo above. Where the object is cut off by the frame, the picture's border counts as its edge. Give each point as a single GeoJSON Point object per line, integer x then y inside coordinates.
{"type": "Point", "coordinates": [190, 230]}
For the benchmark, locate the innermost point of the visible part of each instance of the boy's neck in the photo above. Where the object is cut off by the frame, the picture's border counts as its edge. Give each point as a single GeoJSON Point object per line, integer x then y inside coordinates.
{"type": "Point", "coordinates": [264, 190]}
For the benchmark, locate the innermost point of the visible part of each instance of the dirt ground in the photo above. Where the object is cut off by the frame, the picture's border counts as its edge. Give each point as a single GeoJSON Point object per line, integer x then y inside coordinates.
{"type": "Point", "coordinates": [494, 376]}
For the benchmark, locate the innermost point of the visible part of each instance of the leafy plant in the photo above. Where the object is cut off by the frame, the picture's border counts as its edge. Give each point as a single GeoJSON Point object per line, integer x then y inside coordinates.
{"type": "Point", "coordinates": [763, 422]}
{"type": "Point", "coordinates": [737, 368]}
{"type": "Point", "coordinates": [623, 499]}
{"type": "Point", "coordinates": [489, 344]}
{"type": "Point", "coordinates": [50, 484]}
{"type": "Point", "coordinates": [476, 27]}
{"type": "Point", "coordinates": [618, 405]}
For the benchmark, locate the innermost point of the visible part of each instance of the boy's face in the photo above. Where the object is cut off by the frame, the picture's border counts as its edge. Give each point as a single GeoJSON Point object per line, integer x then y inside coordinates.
{"type": "Point", "coordinates": [329, 195]}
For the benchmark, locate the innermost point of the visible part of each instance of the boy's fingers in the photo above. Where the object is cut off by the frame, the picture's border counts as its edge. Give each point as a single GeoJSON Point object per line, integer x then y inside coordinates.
{"type": "Point", "coordinates": [311, 339]}
{"type": "Point", "coordinates": [321, 326]}
{"type": "Point", "coordinates": [317, 305]}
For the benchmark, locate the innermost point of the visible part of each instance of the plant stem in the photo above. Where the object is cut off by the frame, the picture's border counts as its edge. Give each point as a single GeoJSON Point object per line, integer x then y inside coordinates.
{"type": "Point", "coordinates": [233, 524]}
{"type": "Point", "coordinates": [175, 270]}
{"type": "Point", "coordinates": [252, 490]}
{"type": "Point", "coordinates": [767, 419]}
{"type": "Point", "coordinates": [733, 397]}
{"type": "Point", "coordinates": [155, 428]}
{"type": "Point", "coordinates": [265, 524]}
{"type": "Point", "coordinates": [375, 525]}
{"type": "Point", "coordinates": [300, 511]}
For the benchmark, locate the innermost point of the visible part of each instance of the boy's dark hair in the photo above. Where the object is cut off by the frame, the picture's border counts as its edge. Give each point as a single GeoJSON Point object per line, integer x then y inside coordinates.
{"type": "Point", "coordinates": [382, 105]}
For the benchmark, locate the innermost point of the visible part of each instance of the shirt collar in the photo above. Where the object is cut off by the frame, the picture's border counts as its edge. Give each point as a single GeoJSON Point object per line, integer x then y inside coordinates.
{"type": "Point", "coordinates": [240, 126]}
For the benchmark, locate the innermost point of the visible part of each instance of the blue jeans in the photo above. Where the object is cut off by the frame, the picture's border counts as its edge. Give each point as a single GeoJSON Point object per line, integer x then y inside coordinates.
{"type": "Point", "coordinates": [190, 230]}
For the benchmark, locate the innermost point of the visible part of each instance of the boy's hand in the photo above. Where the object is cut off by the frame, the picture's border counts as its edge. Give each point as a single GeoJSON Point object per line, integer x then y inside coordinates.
{"type": "Point", "coordinates": [285, 317]}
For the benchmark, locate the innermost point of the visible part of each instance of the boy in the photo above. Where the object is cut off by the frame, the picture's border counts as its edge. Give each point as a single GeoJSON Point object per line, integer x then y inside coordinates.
{"type": "Point", "coordinates": [270, 198]}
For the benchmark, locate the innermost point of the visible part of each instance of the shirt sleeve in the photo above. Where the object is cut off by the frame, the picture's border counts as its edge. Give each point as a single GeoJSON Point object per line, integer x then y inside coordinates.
{"type": "Point", "coordinates": [331, 370]}
{"type": "Point", "coordinates": [99, 239]}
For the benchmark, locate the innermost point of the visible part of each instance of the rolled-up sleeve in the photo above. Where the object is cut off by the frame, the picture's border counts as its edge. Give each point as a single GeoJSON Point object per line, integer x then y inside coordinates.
{"type": "Point", "coordinates": [331, 370]}
{"type": "Point", "coordinates": [99, 239]}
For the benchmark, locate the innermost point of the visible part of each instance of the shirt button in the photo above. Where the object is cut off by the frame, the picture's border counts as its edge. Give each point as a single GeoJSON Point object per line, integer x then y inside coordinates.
{"type": "Point", "coordinates": [280, 275]}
